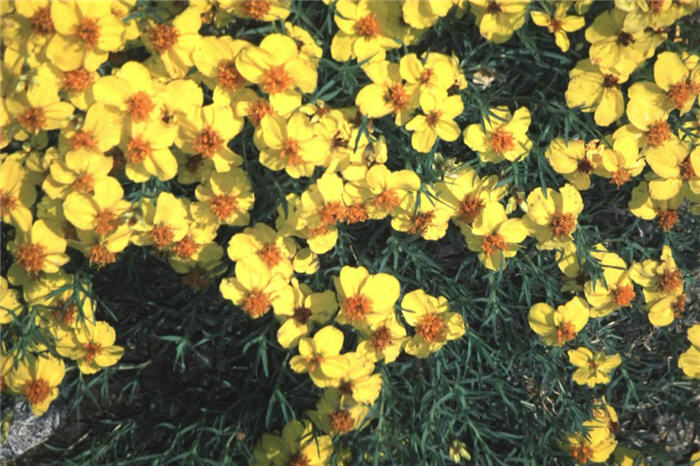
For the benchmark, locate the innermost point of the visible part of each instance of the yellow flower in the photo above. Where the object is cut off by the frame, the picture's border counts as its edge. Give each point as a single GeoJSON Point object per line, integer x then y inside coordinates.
{"type": "Point", "coordinates": [296, 446]}
{"type": "Point", "coordinates": [500, 135]}
{"type": "Point", "coordinates": [259, 10]}
{"type": "Point", "coordinates": [319, 356]}
{"type": "Point", "coordinates": [595, 446]}
{"type": "Point", "coordinates": [173, 43]}
{"type": "Point", "coordinates": [337, 416]}
{"type": "Point", "coordinates": [382, 339]}
{"type": "Point", "coordinates": [307, 308]}
{"type": "Point", "coordinates": [641, 15]}
{"type": "Point", "coordinates": [498, 19]}
{"type": "Point", "coordinates": [616, 291]}
{"type": "Point", "coordinates": [292, 146]}
{"type": "Point", "coordinates": [560, 325]}
{"type": "Point", "coordinates": [87, 32]}
{"type": "Point", "coordinates": [273, 248]}
{"type": "Point", "coordinates": [364, 297]}
{"type": "Point", "coordinates": [365, 31]}
{"type": "Point", "coordinates": [102, 211]}
{"type": "Point", "coordinates": [30, 31]}
{"type": "Point", "coordinates": [382, 191]}
{"type": "Point", "coordinates": [357, 383]}
{"type": "Point", "coordinates": [37, 378]}
{"type": "Point", "coordinates": [215, 58]}
{"type": "Point", "coordinates": [92, 346]}
{"type": "Point", "coordinates": [224, 198]}
{"type": "Point", "coordinates": [38, 250]}
{"type": "Point", "coordinates": [571, 159]}
{"type": "Point", "coordinates": [99, 131]}
{"type": "Point", "coordinates": [593, 368]}
{"type": "Point", "coordinates": [568, 262]}
{"type": "Point", "coordinates": [423, 213]}
{"type": "Point", "coordinates": [207, 131]}
{"type": "Point", "coordinates": [37, 110]}
{"type": "Point", "coordinates": [459, 452]}
{"type": "Point", "coordinates": [675, 165]}
{"type": "Point", "coordinates": [9, 304]}
{"type": "Point", "coordinates": [305, 41]}
{"type": "Point", "coordinates": [644, 206]}
{"type": "Point", "coordinates": [553, 217]}
{"type": "Point", "coordinates": [166, 223]}
{"type": "Point", "coordinates": [321, 208]}
{"type": "Point", "coordinates": [622, 162]}
{"type": "Point", "coordinates": [422, 15]}
{"type": "Point", "coordinates": [689, 361]}
{"type": "Point", "coordinates": [596, 91]}
{"type": "Point", "coordinates": [255, 290]}
{"type": "Point", "coordinates": [277, 68]}
{"type": "Point", "coordinates": [467, 194]}
{"type": "Point", "coordinates": [386, 94]}
{"type": "Point", "coordinates": [130, 93]}
{"type": "Point", "coordinates": [147, 152]}
{"type": "Point", "coordinates": [102, 250]}
{"type": "Point", "coordinates": [433, 322]}
{"type": "Point", "coordinates": [17, 195]}
{"type": "Point", "coordinates": [559, 24]}
{"type": "Point", "coordinates": [625, 456]}
{"type": "Point", "coordinates": [77, 171]}
{"type": "Point", "coordinates": [495, 236]}
{"type": "Point", "coordinates": [439, 112]}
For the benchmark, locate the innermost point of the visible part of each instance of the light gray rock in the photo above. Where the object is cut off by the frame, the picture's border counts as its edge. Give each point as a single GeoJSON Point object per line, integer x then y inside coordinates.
{"type": "Point", "coordinates": [28, 431]}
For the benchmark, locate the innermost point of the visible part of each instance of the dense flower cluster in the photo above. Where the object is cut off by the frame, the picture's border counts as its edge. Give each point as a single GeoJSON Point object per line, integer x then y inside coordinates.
{"type": "Point", "coordinates": [81, 125]}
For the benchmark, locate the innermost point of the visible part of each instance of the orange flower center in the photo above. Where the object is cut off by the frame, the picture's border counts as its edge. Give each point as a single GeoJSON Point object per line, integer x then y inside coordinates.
{"type": "Point", "coordinates": [138, 150]}
{"type": "Point", "coordinates": [667, 219]}
{"type": "Point", "coordinates": [341, 421]}
{"type": "Point", "coordinates": [620, 177]}
{"type": "Point", "coordinates": [368, 26]}
{"type": "Point", "coordinates": [332, 212]}
{"type": "Point", "coordinates": [387, 200]}
{"type": "Point", "coordinates": [139, 106]}
{"type": "Point", "coordinates": [256, 303]}
{"type": "Point", "coordinates": [7, 202]}
{"type": "Point", "coordinates": [421, 223]}
{"type": "Point", "coordinates": [585, 166]}
{"type": "Point", "coordinates": [427, 75]}
{"type": "Point", "coordinates": [208, 142]}
{"type": "Point", "coordinates": [163, 37]}
{"type": "Point", "coordinates": [381, 338]}
{"type": "Point", "coordinates": [290, 152]}
{"type": "Point", "coordinates": [88, 31]}
{"type": "Point", "coordinates": [106, 222]}
{"type": "Point", "coordinates": [223, 205]}
{"type": "Point", "coordinates": [565, 332]}
{"type": "Point", "coordinates": [101, 256]}
{"type": "Point", "coordinates": [669, 280]}
{"type": "Point", "coordinates": [42, 22]}
{"type": "Point", "coordinates": [229, 77]}
{"type": "Point", "coordinates": [82, 139]}
{"type": "Point", "coordinates": [275, 80]}
{"type": "Point", "coordinates": [31, 258]}
{"type": "Point", "coordinates": [679, 93]}
{"type": "Point", "coordinates": [270, 254]}
{"type": "Point", "coordinates": [678, 306]}
{"type": "Point", "coordinates": [687, 170]}
{"type": "Point", "coordinates": [302, 314]}
{"type": "Point", "coordinates": [431, 328]}
{"type": "Point", "coordinates": [65, 316]}
{"type": "Point", "coordinates": [298, 459]}
{"type": "Point", "coordinates": [355, 213]}
{"type": "Point", "coordinates": [37, 391]}
{"type": "Point", "coordinates": [77, 80]}
{"type": "Point", "coordinates": [162, 236]}
{"type": "Point", "coordinates": [610, 80]}
{"type": "Point", "coordinates": [470, 207]}
{"type": "Point", "coordinates": [555, 25]}
{"type": "Point", "coordinates": [256, 9]}
{"type": "Point", "coordinates": [491, 243]}
{"type": "Point", "coordinates": [433, 118]}
{"type": "Point", "coordinates": [258, 110]}
{"type": "Point", "coordinates": [84, 183]}
{"type": "Point", "coordinates": [581, 453]}
{"type": "Point", "coordinates": [92, 349]}
{"type": "Point", "coordinates": [658, 133]}
{"type": "Point", "coordinates": [623, 295]}
{"type": "Point", "coordinates": [502, 141]}
{"type": "Point", "coordinates": [398, 98]}
{"type": "Point", "coordinates": [357, 307]}
{"type": "Point", "coordinates": [563, 225]}
{"type": "Point", "coordinates": [32, 119]}
{"type": "Point", "coordinates": [185, 248]}
{"type": "Point", "coordinates": [656, 5]}
{"type": "Point", "coordinates": [625, 38]}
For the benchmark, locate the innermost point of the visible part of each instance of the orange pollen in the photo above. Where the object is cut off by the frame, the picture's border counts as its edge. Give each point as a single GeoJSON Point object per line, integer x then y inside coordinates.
{"type": "Point", "coordinates": [667, 219]}
{"type": "Point", "coordinates": [620, 177]}
{"type": "Point", "coordinates": [433, 118]}
{"type": "Point", "coordinates": [625, 39]}
{"type": "Point", "coordinates": [256, 303]}
{"type": "Point", "coordinates": [82, 139]}
{"type": "Point", "coordinates": [592, 364]}
{"type": "Point", "coordinates": [290, 152]}
{"type": "Point", "coordinates": [357, 307]}
{"type": "Point", "coordinates": [678, 306]}
{"type": "Point", "coordinates": [162, 236]}
{"type": "Point", "coordinates": [555, 25]}
{"type": "Point", "coordinates": [687, 170]}
{"type": "Point", "coordinates": [658, 133]}
{"type": "Point", "coordinates": [101, 256]}
{"type": "Point", "coordinates": [368, 26]}
{"type": "Point", "coordinates": [669, 280]}
{"type": "Point", "coordinates": [185, 248]}
{"type": "Point", "coordinates": [256, 9]}
{"type": "Point", "coordinates": [491, 243]}
{"type": "Point", "coordinates": [565, 332]}
{"type": "Point", "coordinates": [163, 37]}
{"type": "Point", "coordinates": [88, 31]}
{"type": "Point", "coordinates": [421, 222]}
{"type": "Point", "coordinates": [302, 314]}
{"type": "Point", "coordinates": [31, 258]}
{"type": "Point", "coordinates": [106, 222]}
{"type": "Point", "coordinates": [387, 200]}
{"type": "Point", "coordinates": [275, 80]}
{"type": "Point", "coordinates": [42, 22]}
{"type": "Point", "coordinates": [623, 295]}
{"type": "Point", "coordinates": [563, 225]}
{"type": "Point", "coordinates": [610, 81]}
{"type": "Point", "coordinates": [581, 453]}
{"type": "Point", "coordinates": [7, 202]}
{"type": "Point", "coordinates": [493, 7]}
{"type": "Point", "coordinates": [138, 150]}
{"type": "Point", "coordinates": [139, 106]}
{"type": "Point", "coordinates": [270, 254]}
{"type": "Point", "coordinates": [65, 316]}
{"type": "Point", "coordinates": [92, 349]}
{"type": "Point", "coordinates": [258, 110]}
{"type": "Point", "coordinates": [208, 142]}
{"type": "Point", "coordinates": [223, 205]}
{"type": "Point", "coordinates": [33, 119]}
{"type": "Point", "coordinates": [381, 338]}
{"type": "Point", "coordinates": [470, 207]}
{"type": "Point", "coordinates": [397, 96]}
{"type": "Point", "coordinates": [431, 328]}
{"type": "Point", "coordinates": [37, 391]}
{"type": "Point", "coordinates": [585, 166]}
{"type": "Point", "coordinates": [355, 213]}
{"type": "Point", "coordinates": [502, 141]}
{"type": "Point", "coordinates": [77, 80]}
{"type": "Point", "coordinates": [84, 184]}
{"type": "Point", "coordinates": [427, 75]}
{"type": "Point", "coordinates": [229, 77]}
{"type": "Point", "coordinates": [679, 93]}
{"type": "Point", "coordinates": [341, 421]}
{"type": "Point", "coordinates": [298, 459]}
{"type": "Point", "coordinates": [331, 213]}
{"type": "Point", "coordinates": [318, 231]}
